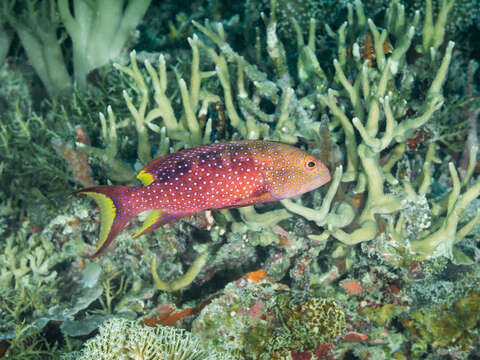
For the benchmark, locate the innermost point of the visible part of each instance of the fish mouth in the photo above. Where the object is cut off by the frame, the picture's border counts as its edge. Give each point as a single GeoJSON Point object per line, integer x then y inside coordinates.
{"type": "Point", "coordinates": [326, 178]}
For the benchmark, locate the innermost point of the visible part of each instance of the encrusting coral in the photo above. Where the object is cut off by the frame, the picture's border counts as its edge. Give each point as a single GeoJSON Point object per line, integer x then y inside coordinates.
{"type": "Point", "coordinates": [256, 318]}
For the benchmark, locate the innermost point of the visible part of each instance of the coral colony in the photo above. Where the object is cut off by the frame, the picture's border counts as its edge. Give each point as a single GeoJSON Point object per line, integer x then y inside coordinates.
{"type": "Point", "coordinates": [303, 175]}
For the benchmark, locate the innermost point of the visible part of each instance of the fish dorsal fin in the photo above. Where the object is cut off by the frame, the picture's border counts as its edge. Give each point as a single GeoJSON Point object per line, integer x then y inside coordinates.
{"type": "Point", "coordinates": [145, 177]}
{"type": "Point", "coordinates": [148, 174]}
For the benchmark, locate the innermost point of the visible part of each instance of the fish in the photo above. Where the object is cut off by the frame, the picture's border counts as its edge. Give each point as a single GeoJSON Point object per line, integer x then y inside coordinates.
{"type": "Point", "coordinates": [206, 177]}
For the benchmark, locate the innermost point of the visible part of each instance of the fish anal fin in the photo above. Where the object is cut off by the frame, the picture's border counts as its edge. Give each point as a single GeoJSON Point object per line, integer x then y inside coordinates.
{"type": "Point", "coordinates": [155, 219]}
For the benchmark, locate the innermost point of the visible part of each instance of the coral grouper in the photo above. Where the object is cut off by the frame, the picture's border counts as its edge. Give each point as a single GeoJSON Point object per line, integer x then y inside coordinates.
{"type": "Point", "coordinates": [214, 176]}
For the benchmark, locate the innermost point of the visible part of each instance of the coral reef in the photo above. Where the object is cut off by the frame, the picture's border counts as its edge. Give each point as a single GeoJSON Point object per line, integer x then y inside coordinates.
{"type": "Point", "coordinates": [119, 338]}
{"type": "Point", "coordinates": [259, 319]}
{"type": "Point", "coordinates": [383, 262]}
{"type": "Point", "coordinates": [371, 102]}
{"type": "Point", "coordinates": [446, 325]}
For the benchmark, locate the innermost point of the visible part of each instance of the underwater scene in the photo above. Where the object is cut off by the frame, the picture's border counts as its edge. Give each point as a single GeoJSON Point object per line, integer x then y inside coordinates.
{"type": "Point", "coordinates": [230, 180]}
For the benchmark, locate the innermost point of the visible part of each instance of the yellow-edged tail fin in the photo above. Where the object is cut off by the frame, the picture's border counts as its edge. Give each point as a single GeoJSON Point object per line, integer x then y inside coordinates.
{"type": "Point", "coordinates": [114, 211]}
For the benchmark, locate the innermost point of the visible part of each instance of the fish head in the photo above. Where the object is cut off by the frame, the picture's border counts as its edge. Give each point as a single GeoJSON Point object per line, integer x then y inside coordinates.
{"type": "Point", "coordinates": [296, 172]}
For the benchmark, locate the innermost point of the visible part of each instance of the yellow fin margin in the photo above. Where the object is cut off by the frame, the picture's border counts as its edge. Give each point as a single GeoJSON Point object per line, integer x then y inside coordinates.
{"type": "Point", "coordinates": [152, 218]}
{"type": "Point", "coordinates": [145, 178]}
{"type": "Point", "coordinates": [108, 211]}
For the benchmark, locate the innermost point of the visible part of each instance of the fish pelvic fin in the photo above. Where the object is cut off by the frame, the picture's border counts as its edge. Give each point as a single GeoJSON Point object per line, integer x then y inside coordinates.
{"type": "Point", "coordinates": [114, 215]}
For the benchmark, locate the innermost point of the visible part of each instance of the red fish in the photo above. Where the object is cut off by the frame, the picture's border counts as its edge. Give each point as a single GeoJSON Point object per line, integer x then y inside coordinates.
{"type": "Point", "coordinates": [214, 176]}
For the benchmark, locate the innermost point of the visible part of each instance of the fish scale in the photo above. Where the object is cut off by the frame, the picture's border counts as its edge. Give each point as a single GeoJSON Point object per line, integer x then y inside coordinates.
{"type": "Point", "coordinates": [213, 176]}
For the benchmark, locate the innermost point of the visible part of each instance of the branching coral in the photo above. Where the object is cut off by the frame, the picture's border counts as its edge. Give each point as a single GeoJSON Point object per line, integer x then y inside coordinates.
{"type": "Point", "coordinates": [293, 116]}
{"type": "Point", "coordinates": [36, 26]}
{"type": "Point", "coordinates": [119, 338]}
{"type": "Point", "coordinates": [187, 131]}
{"type": "Point", "coordinates": [185, 280]}
{"type": "Point", "coordinates": [27, 261]}
{"type": "Point", "coordinates": [27, 281]}
{"type": "Point", "coordinates": [376, 104]}
{"type": "Point", "coordinates": [99, 30]}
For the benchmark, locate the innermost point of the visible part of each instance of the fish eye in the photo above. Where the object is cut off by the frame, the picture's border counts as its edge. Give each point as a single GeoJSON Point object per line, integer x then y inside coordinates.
{"type": "Point", "coordinates": [309, 164]}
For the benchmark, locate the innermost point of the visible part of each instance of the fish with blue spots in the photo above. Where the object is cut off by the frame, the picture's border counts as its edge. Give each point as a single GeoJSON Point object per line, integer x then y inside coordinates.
{"type": "Point", "coordinates": [213, 176]}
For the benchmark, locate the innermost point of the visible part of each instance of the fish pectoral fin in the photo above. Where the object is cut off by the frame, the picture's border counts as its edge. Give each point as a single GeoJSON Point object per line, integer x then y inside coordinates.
{"type": "Point", "coordinates": [259, 195]}
{"type": "Point", "coordinates": [154, 220]}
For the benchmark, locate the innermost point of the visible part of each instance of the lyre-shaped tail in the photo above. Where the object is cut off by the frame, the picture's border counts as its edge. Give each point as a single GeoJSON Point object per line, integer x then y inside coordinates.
{"type": "Point", "coordinates": [114, 211]}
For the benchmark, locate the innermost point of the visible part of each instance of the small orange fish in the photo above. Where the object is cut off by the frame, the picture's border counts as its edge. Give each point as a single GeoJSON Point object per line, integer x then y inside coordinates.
{"type": "Point", "coordinates": [214, 176]}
